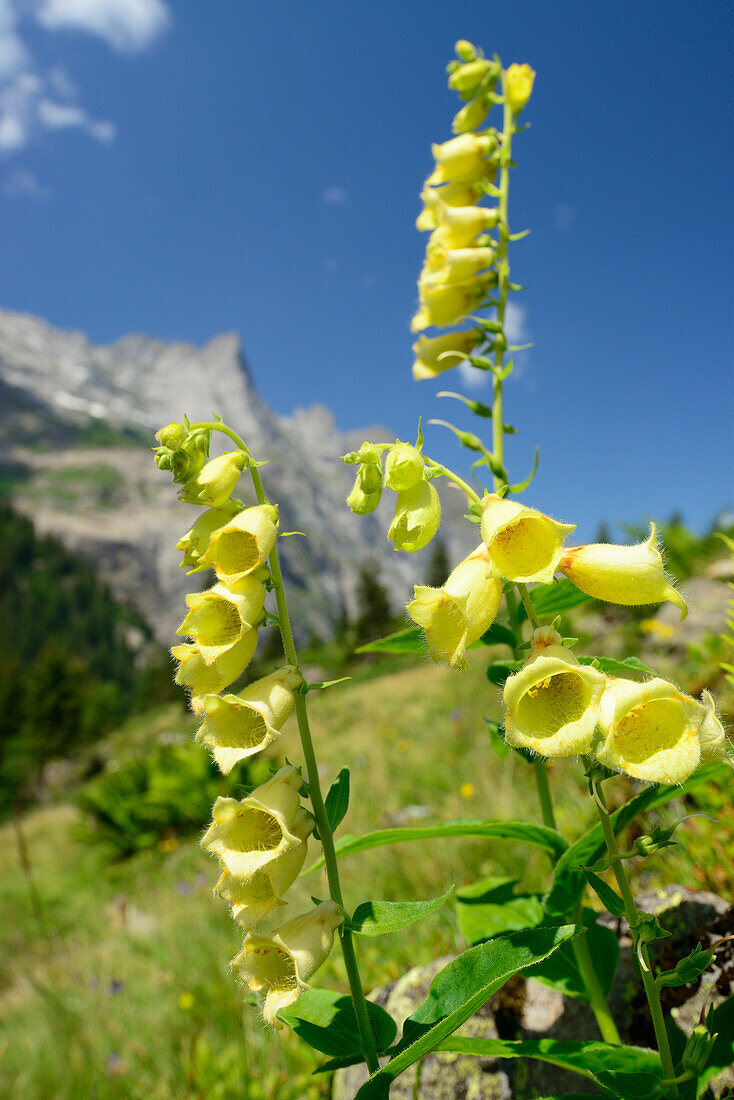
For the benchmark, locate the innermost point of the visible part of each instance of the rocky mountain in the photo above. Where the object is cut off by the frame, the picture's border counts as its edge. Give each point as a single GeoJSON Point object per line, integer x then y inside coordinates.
{"type": "Point", "coordinates": [76, 428]}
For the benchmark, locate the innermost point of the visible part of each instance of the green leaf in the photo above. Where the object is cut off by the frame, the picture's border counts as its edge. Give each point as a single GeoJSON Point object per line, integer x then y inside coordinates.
{"type": "Point", "coordinates": [521, 485]}
{"type": "Point", "coordinates": [496, 738]}
{"type": "Point", "coordinates": [411, 640]}
{"type": "Point", "coordinates": [489, 907]}
{"type": "Point", "coordinates": [337, 800]}
{"type": "Point", "coordinates": [498, 672]}
{"type": "Point", "coordinates": [327, 1022]}
{"type": "Point", "coordinates": [632, 1086]}
{"type": "Point", "coordinates": [496, 635]}
{"type": "Point", "coordinates": [608, 897]}
{"type": "Point", "coordinates": [458, 991]}
{"type": "Point", "coordinates": [561, 970]}
{"type": "Point", "coordinates": [377, 918]}
{"type": "Point", "coordinates": [539, 836]}
{"type": "Point", "coordinates": [554, 599]}
{"type": "Point", "coordinates": [583, 1056]}
{"type": "Point", "coordinates": [568, 880]}
{"type": "Point", "coordinates": [614, 667]}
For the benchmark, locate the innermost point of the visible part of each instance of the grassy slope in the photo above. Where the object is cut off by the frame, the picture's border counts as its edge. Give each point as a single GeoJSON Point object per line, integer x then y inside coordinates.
{"type": "Point", "coordinates": [126, 991]}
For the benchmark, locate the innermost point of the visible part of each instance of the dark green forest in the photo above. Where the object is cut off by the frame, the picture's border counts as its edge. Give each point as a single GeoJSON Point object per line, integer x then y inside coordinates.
{"type": "Point", "coordinates": [73, 661]}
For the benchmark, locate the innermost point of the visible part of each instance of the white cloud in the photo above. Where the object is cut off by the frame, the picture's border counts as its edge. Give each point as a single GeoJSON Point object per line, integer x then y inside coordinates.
{"type": "Point", "coordinates": [125, 25]}
{"type": "Point", "coordinates": [66, 116]}
{"type": "Point", "coordinates": [563, 216]}
{"type": "Point", "coordinates": [334, 196]}
{"type": "Point", "coordinates": [21, 184]}
{"type": "Point", "coordinates": [13, 54]}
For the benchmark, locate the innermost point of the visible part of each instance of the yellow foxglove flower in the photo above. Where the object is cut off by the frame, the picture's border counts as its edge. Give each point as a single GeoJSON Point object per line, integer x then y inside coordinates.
{"type": "Point", "coordinates": [202, 678]}
{"type": "Point", "coordinates": [236, 726]}
{"type": "Point", "coordinates": [404, 467]}
{"type": "Point", "coordinates": [281, 964]}
{"type": "Point", "coordinates": [457, 226]}
{"type": "Point", "coordinates": [553, 701]}
{"type": "Point", "coordinates": [471, 115]}
{"type": "Point", "coordinates": [456, 265]}
{"type": "Point", "coordinates": [416, 519]}
{"type": "Point", "coordinates": [469, 76]}
{"type": "Point", "coordinates": [627, 575]}
{"type": "Point", "coordinates": [651, 730]}
{"type": "Point", "coordinates": [196, 540]}
{"type": "Point", "coordinates": [219, 617]}
{"type": "Point", "coordinates": [253, 898]}
{"type": "Point", "coordinates": [361, 503]}
{"type": "Point", "coordinates": [214, 483]}
{"type": "Point", "coordinates": [461, 157]}
{"type": "Point", "coordinates": [242, 544]}
{"type": "Point", "coordinates": [246, 836]}
{"type": "Point", "coordinates": [518, 86]}
{"type": "Point", "coordinates": [452, 194]}
{"type": "Point", "coordinates": [711, 733]}
{"type": "Point", "coordinates": [445, 305]}
{"type": "Point", "coordinates": [435, 354]}
{"type": "Point", "coordinates": [524, 544]}
{"type": "Point", "coordinates": [459, 612]}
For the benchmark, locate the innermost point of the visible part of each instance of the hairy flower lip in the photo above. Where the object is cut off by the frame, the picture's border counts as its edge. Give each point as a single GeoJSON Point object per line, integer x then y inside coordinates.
{"type": "Point", "coordinates": [202, 678]}
{"type": "Point", "coordinates": [417, 517]}
{"type": "Point", "coordinates": [246, 540]}
{"type": "Point", "coordinates": [252, 899]}
{"type": "Point", "coordinates": [525, 544]}
{"type": "Point", "coordinates": [221, 616]}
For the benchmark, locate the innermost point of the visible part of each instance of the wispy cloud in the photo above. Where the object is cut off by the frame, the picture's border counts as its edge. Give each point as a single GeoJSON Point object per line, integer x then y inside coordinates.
{"type": "Point", "coordinates": [22, 184]}
{"type": "Point", "coordinates": [563, 216]}
{"type": "Point", "coordinates": [334, 196]}
{"type": "Point", "coordinates": [34, 98]}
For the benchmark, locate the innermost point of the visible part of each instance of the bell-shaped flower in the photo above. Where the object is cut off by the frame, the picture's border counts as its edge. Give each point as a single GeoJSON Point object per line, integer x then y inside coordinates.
{"type": "Point", "coordinates": [460, 158]}
{"type": "Point", "coordinates": [241, 545]}
{"type": "Point", "coordinates": [651, 730]}
{"type": "Point", "coordinates": [219, 617]}
{"type": "Point", "coordinates": [553, 701]}
{"type": "Point", "coordinates": [361, 503]}
{"type": "Point", "coordinates": [248, 835]}
{"type": "Point", "coordinates": [456, 265]}
{"type": "Point", "coordinates": [281, 964]}
{"type": "Point", "coordinates": [452, 194]}
{"type": "Point", "coordinates": [251, 899]}
{"type": "Point", "coordinates": [196, 540]}
{"type": "Point", "coordinates": [459, 612]}
{"type": "Point", "coordinates": [627, 575]}
{"type": "Point", "coordinates": [208, 678]}
{"type": "Point", "coordinates": [457, 226]}
{"type": "Point", "coordinates": [416, 519]}
{"type": "Point", "coordinates": [435, 354]}
{"type": "Point", "coordinates": [404, 467]}
{"type": "Point", "coordinates": [524, 544]}
{"type": "Point", "coordinates": [711, 733]}
{"type": "Point", "coordinates": [215, 482]}
{"type": "Point", "coordinates": [236, 726]}
{"type": "Point", "coordinates": [445, 305]}
{"type": "Point", "coordinates": [518, 86]}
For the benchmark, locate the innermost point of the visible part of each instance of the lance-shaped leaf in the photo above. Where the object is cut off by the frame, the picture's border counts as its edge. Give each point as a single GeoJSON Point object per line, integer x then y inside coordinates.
{"type": "Point", "coordinates": [489, 908]}
{"type": "Point", "coordinates": [587, 1058]}
{"type": "Point", "coordinates": [554, 599]}
{"type": "Point", "coordinates": [337, 799]}
{"type": "Point", "coordinates": [411, 640]}
{"type": "Point", "coordinates": [539, 836]}
{"type": "Point", "coordinates": [327, 1022]}
{"type": "Point", "coordinates": [458, 991]}
{"type": "Point", "coordinates": [498, 672]}
{"type": "Point", "coordinates": [568, 880]}
{"type": "Point", "coordinates": [610, 898]}
{"type": "Point", "coordinates": [613, 666]}
{"type": "Point", "coordinates": [377, 918]}
{"type": "Point", "coordinates": [561, 970]}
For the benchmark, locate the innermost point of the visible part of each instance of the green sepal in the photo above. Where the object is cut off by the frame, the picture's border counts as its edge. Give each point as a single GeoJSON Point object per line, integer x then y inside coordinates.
{"type": "Point", "coordinates": [379, 918]}
{"type": "Point", "coordinates": [687, 970]}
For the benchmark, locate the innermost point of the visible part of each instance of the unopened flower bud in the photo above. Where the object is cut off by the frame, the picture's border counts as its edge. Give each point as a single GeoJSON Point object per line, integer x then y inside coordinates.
{"type": "Point", "coordinates": [518, 86]}
{"type": "Point", "coordinates": [416, 519]}
{"type": "Point", "coordinates": [627, 575]}
{"type": "Point", "coordinates": [698, 1049]}
{"type": "Point", "coordinates": [553, 701]}
{"type": "Point", "coordinates": [163, 458]}
{"type": "Point", "coordinates": [471, 116]}
{"type": "Point", "coordinates": [361, 503]}
{"type": "Point", "coordinates": [459, 612]}
{"type": "Point", "coordinates": [404, 467]}
{"type": "Point", "coordinates": [470, 75]}
{"type": "Point", "coordinates": [465, 51]}
{"type": "Point", "coordinates": [524, 544]}
{"type": "Point", "coordinates": [369, 454]}
{"type": "Point", "coordinates": [172, 435]}
{"type": "Point", "coordinates": [213, 485]}
{"type": "Point", "coordinates": [370, 477]}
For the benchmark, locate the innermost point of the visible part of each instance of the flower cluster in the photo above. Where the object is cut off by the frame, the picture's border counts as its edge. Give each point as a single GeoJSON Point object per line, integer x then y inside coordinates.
{"type": "Point", "coordinates": [260, 840]}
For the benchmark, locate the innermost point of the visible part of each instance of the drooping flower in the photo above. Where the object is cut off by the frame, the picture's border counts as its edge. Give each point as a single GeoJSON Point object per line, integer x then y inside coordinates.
{"type": "Point", "coordinates": [236, 726]}
{"type": "Point", "coordinates": [440, 353]}
{"type": "Point", "coordinates": [459, 612]}
{"type": "Point", "coordinates": [711, 733]}
{"type": "Point", "coordinates": [553, 701]}
{"type": "Point", "coordinates": [467, 77]}
{"type": "Point", "coordinates": [202, 678]}
{"type": "Point", "coordinates": [457, 226]}
{"type": "Point", "coordinates": [518, 86]}
{"type": "Point", "coordinates": [281, 964]}
{"type": "Point", "coordinates": [461, 157]}
{"type": "Point", "coordinates": [524, 544]}
{"type": "Point", "coordinates": [651, 730]}
{"type": "Point", "coordinates": [404, 467]}
{"type": "Point", "coordinates": [248, 835]}
{"type": "Point", "coordinates": [627, 575]}
{"type": "Point", "coordinates": [223, 614]}
{"type": "Point", "coordinates": [196, 540]}
{"type": "Point", "coordinates": [416, 519]}
{"type": "Point", "coordinates": [214, 483]}
{"type": "Point", "coordinates": [471, 115]}
{"type": "Point", "coordinates": [445, 305]}
{"type": "Point", "coordinates": [241, 545]}
{"type": "Point", "coordinates": [447, 266]}
{"type": "Point", "coordinates": [452, 194]}
{"type": "Point", "coordinates": [253, 898]}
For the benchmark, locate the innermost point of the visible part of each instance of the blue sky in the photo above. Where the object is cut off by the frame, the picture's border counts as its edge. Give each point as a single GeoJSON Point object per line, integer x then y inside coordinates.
{"type": "Point", "coordinates": [186, 168]}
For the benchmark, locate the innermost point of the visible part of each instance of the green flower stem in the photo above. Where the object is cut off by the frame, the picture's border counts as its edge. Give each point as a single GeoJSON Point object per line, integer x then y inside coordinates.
{"type": "Point", "coordinates": [632, 913]}
{"type": "Point", "coordinates": [314, 785]}
{"type": "Point", "coordinates": [503, 275]}
{"type": "Point", "coordinates": [528, 605]}
{"type": "Point", "coordinates": [445, 472]}
{"type": "Point", "coordinates": [544, 794]}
